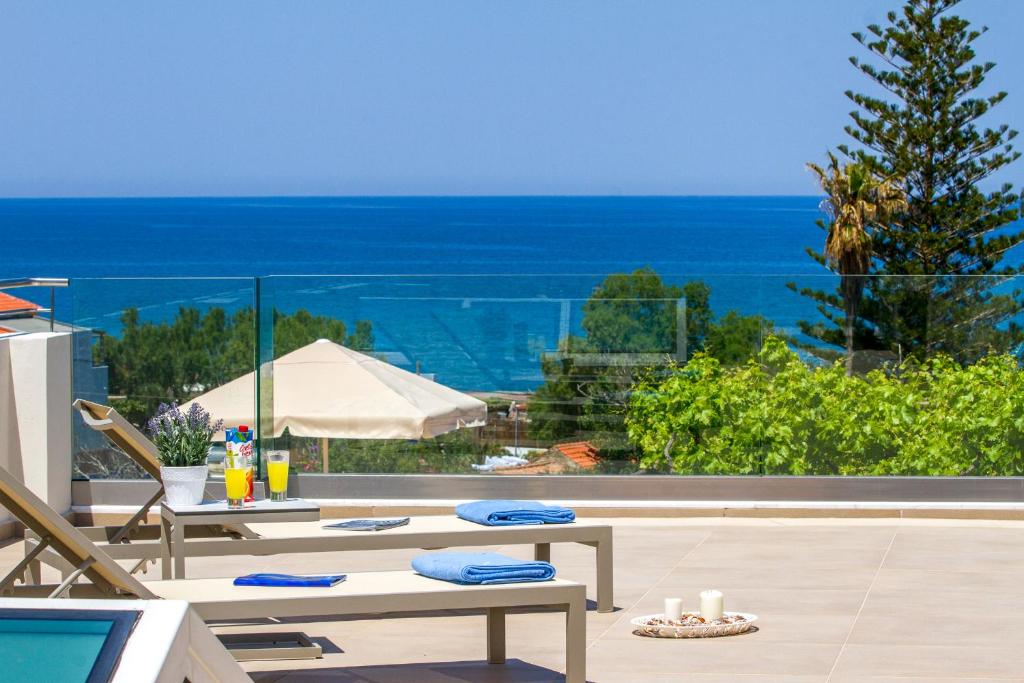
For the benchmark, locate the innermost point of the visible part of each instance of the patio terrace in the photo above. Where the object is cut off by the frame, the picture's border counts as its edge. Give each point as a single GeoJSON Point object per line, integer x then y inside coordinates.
{"type": "Point", "coordinates": [839, 601]}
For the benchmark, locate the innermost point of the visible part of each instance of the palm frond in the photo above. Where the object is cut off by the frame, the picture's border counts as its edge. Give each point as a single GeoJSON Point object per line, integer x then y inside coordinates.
{"type": "Point", "coordinates": [857, 202]}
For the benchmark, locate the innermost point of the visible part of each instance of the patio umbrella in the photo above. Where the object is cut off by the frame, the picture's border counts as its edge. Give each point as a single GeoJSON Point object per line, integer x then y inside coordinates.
{"type": "Point", "coordinates": [326, 390]}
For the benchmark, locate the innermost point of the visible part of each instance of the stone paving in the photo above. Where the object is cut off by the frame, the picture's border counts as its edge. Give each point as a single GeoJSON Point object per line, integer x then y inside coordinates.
{"type": "Point", "coordinates": [839, 601]}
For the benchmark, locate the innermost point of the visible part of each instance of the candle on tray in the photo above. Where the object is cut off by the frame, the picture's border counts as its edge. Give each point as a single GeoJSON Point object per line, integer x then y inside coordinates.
{"type": "Point", "coordinates": [711, 605]}
{"type": "Point", "coordinates": [673, 608]}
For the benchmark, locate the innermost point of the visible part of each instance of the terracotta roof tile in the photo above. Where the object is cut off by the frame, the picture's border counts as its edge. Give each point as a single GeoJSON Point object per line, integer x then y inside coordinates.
{"type": "Point", "coordinates": [9, 304]}
{"type": "Point", "coordinates": [582, 453]}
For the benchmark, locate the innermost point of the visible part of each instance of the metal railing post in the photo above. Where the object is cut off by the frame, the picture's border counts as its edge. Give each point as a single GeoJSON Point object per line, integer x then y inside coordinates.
{"type": "Point", "coordinates": [51, 282]}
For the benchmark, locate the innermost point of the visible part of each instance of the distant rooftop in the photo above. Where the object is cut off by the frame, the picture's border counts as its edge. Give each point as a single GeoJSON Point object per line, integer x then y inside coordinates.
{"type": "Point", "coordinates": [12, 306]}
{"type": "Point", "coordinates": [21, 316]}
{"type": "Point", "coordinates": [583, 453]}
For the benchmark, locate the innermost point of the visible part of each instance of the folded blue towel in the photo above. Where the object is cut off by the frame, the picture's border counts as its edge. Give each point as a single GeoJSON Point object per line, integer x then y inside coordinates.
{"type": "Point", "coordinates": [482, 568]}
{"type": "Point", "coordinates": [513, 512]}
{"type": "Point", "coordinates": [289, 580]}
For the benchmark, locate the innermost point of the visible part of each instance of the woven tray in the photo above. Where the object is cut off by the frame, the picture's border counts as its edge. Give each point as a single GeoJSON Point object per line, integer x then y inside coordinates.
{"type": "Point", "coordinates": [643, 626]}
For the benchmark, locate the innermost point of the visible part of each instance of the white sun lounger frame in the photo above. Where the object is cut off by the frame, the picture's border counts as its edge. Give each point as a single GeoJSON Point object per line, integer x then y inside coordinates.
{"type": "Point", "coordinates": [397, 592]}
{"type": "Point", "coordinates": [141, 543]}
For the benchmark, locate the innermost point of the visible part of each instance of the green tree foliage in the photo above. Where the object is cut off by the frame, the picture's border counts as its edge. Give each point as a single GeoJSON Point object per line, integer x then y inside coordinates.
{"type": "Point", "coordinates": [361, 338]}
{"type": "Point", "coordinates": [776, 415]}
{"type": "Point", "coordinates": [160, 362]}
{"type": "Point", "coordinates": [925, 129]}
{"type": "Point", "coordinates": [453, 452]}
{"type": "Point", "coordinates": [632, 325]}
{"type": "Point", "coordinates": [699, 317]}
{"type": "Point", "coordinates": [734, 338]}
{"type": "Point", "coordinates": [632, 313]}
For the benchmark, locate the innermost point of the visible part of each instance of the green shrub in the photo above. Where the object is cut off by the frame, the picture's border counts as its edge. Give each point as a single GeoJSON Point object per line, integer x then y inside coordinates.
{"type": "Point", "coordinates": [777, 415]}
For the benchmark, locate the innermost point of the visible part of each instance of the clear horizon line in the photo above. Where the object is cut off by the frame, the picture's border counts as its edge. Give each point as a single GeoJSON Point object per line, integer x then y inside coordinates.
{"type": "Point", "coordinates": [397, 196]}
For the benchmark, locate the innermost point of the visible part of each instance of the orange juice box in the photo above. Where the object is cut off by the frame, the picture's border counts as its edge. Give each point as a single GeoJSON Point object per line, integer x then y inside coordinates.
{"type": "Point", "coordinates": [239, 444]}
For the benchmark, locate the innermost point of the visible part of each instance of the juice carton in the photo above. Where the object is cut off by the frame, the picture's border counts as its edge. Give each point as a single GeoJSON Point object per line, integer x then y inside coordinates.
{"type": "Point", "coordinates": [238, 442]}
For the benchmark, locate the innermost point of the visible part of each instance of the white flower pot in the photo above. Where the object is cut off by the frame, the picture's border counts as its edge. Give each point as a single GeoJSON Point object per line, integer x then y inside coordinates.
{"type": "Point", "coordinates": [184, 485]}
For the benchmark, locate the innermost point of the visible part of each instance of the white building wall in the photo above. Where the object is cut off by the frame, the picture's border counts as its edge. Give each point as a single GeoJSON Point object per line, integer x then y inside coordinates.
{"type": "Point", "coordinates": [8, 419]}
{"type": "Point", "coordinates": [35, 415]}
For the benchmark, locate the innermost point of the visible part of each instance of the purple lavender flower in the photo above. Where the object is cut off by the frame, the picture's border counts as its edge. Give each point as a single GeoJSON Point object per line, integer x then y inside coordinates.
{"type": "Point", "coordinates": [182, 439]}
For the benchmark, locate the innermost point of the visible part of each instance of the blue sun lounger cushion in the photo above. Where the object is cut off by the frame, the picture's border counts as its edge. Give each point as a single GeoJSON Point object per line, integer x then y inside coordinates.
{"type": "Point", "coordinates": [514, 512]}
{"type": "Point", "coordinates": [481, 568]}
{"type": "Point", "coordinates": [290, 580]}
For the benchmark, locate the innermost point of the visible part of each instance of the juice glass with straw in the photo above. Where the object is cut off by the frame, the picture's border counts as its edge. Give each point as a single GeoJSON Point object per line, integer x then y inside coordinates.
{"type": "Point", "coordinates": [277, 475]}
{"type": "Point", "coordinates": [235, 473]}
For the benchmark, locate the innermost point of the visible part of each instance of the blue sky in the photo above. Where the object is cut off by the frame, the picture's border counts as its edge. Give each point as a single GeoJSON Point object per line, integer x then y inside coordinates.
{"type": "Point", "coordinates": [431, 97]}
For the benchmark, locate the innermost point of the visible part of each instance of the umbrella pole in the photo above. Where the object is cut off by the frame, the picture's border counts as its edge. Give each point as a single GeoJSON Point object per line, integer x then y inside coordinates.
{"type": "Point", "coordinates": [324, 456]}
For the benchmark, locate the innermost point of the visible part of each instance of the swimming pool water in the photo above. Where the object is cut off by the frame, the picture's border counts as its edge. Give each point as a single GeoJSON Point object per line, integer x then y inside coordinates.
{"type": "Point", "coordinates": [62, 644]}
{"type": "Point", "coordinates": [51, 650]}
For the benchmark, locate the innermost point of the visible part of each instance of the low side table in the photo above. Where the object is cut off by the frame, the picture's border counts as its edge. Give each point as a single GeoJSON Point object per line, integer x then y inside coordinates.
{"type": "Point", "coordinates": [174, 519]}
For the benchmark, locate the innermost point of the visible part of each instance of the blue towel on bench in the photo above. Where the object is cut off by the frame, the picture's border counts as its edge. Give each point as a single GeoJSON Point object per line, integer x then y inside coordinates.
{"type": "Point", "coordinates": [289, 580]}
{"type": "Point", "coordinates": [513, 512]}
{"type": "Point", "coordinates": [484, 568]}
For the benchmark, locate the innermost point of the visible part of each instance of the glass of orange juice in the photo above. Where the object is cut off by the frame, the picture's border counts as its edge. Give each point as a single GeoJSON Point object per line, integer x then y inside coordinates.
{"type": "Point", "coordinates": [235, 473]}
{"type": "Point", "coordinates": [277, 475]}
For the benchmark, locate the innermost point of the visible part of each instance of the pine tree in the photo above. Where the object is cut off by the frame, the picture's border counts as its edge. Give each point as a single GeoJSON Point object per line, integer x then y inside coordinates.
{"type": "Point", "coordinates": [926, 131]}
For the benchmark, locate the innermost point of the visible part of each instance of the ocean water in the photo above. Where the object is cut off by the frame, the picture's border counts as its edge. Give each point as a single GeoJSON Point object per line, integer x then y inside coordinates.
{"type": "Point", "coordinates": [473, 290]}
{"type": "Point", "coordinates": [463, 235]}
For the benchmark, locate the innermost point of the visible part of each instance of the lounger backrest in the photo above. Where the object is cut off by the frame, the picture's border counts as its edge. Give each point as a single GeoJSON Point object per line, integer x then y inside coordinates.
{"type": "Point", "coordinates": [129, 439]}
{"type": "Point", "coordinates": [65, 539]}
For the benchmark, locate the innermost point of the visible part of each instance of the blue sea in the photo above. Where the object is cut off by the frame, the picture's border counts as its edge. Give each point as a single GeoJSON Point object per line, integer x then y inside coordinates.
{"type": "Point", "coordinates": [366, 235]}
{"type": "Point", "coordinates": [471, 289]}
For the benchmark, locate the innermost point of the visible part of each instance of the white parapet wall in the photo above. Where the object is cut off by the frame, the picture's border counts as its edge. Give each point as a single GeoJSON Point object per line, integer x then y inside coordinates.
{"type": "Point", "coordinates": [35, 416]}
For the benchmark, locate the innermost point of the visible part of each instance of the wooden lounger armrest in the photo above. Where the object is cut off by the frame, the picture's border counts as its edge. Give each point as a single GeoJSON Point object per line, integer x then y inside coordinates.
{"type": "Point", "coordinates": [87, 416]}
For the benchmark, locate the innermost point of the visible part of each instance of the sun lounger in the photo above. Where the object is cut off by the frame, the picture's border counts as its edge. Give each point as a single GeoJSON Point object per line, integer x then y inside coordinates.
{"type": "Point", "coordinates": [431, 532]}
{"type": "Point", "coordinates": [441, 531]}
{"type": "Point", "coordinates": [360, 593]}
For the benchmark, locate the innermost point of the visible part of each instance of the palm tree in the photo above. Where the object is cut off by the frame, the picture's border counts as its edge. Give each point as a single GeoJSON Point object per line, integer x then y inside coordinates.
{"type": "Point", "coordinates": [858, 201]}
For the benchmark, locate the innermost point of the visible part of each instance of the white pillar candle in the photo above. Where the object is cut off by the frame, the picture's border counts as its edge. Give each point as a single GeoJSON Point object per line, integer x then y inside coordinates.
{"type": "Point", "coordinates": [711, 605]}
{"type": "Point", "coordinates": [673, 608]}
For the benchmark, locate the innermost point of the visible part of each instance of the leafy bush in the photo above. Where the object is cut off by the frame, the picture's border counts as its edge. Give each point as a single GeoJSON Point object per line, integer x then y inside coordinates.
{"type": "Point", "coordinates": [776, 415]}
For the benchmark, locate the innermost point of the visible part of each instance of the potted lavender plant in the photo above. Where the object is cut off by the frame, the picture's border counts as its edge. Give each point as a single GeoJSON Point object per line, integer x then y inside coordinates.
{"type": "Point", "coordinates": [183, 442]}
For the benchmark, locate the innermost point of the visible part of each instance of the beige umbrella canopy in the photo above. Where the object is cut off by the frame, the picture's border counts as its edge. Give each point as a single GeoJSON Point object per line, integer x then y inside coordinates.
{"type": "Point", "coordinates": [329, 391]}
